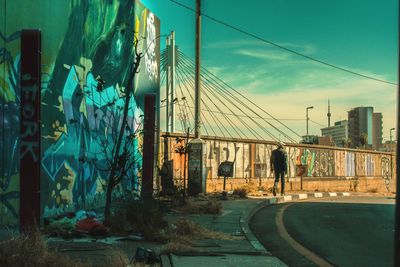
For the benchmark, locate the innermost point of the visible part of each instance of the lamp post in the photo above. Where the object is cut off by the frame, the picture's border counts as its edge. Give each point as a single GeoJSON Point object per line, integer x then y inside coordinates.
{"type": "Point", "coordinates": [307, 118]}
{"type": "Point", "coordinates": [392, 129]}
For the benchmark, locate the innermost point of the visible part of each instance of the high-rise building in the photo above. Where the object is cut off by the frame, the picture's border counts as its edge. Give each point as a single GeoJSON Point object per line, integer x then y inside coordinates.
{"type": "Point", "coordinates": [338, 132]}
{"type": "Point", "coordinates": [377, 130]}
{"type": "Point", "coordinates": [360, 126]}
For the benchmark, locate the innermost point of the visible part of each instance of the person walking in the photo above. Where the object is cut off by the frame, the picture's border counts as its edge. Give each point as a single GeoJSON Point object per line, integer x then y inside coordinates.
{"type": "Point", "coordinates": [278, 163]}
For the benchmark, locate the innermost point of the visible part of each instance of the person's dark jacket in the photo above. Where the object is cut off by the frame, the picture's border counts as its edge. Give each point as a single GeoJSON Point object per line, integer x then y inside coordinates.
{"type": "Point", "coordinates": [278, 160]}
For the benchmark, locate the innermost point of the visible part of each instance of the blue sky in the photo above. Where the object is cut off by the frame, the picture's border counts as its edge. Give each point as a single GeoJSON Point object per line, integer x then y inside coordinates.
{"type": "Point", "coordinates": [360, 35]}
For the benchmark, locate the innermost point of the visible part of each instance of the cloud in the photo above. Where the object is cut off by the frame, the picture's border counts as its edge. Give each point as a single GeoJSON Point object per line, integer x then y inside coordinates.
{"type": "Point", "coordinates": [285, 84]}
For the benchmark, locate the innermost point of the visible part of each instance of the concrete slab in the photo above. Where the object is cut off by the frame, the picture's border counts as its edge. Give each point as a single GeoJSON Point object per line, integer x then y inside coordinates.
{"type": "Point", "coordinates": [225, 260]}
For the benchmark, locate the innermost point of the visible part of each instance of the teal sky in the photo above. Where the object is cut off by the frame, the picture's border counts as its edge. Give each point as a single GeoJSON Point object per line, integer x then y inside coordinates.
{"type": "Point", "coordinates": [360, 35]}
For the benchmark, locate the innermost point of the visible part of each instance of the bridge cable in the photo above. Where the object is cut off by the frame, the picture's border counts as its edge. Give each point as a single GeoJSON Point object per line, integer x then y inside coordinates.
{"type": "Point", "coordinates": [202, 119]}
{"type": "Point", "coordinates": [214, 118]}
{"type": "Point", "coordinates": [209, 88]}
{"type": "Point", "coordinates": [240, 101]}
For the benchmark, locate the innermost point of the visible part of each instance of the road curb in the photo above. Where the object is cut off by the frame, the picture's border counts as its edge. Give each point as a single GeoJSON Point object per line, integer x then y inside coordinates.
{"type": "Point", "coordinates": [247, 214]}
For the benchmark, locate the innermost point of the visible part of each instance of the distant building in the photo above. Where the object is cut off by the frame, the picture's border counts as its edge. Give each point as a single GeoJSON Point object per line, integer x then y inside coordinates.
{"type": "Point", "coordinates": [325, 140]}
{"type": "Point", "coordinates": [309, 139]}
{"type": "Point", "coordinates": [388, 146]}
{"type": "Point", "coordinates": [338, 132]}
{"type": "Point", "coordinates": [365, 127]}
{"type": "Point", "coordinates": [377, 130]}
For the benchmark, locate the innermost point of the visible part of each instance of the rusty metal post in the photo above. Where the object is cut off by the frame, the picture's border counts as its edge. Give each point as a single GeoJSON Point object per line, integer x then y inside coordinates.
{"type": "Point", "coordinates": [148, 145]}
{"type": "Point", "coordinates": [30, 130]}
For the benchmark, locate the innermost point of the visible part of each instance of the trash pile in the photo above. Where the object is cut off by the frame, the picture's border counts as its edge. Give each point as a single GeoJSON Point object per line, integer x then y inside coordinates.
{"type": "Point", "coordinates": [75, 224]}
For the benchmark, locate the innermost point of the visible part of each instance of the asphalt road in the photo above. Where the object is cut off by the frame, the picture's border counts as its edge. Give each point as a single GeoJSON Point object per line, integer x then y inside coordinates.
{"type": "Point", "coordinates": [340, 231]}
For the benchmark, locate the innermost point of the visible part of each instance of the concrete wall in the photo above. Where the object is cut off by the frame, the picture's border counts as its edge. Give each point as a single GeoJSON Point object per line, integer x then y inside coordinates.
{"type": "Point", "coordinates": [328, 168]}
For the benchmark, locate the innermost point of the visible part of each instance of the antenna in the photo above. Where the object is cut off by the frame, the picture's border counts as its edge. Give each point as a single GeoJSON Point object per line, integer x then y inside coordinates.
{"type": "Point", "coordinates": [329, 114]}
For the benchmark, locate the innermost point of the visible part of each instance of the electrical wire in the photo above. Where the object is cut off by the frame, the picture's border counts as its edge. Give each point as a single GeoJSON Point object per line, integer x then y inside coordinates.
{"type": "Point", "coordinates": [284, 48]}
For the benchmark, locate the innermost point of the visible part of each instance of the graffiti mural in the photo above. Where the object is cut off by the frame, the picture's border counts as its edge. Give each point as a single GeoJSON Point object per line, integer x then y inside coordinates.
{"type": "Point", "coordinates": [86, 60]}
{"type": "Point", "coordinates": [88, 86]}
{"type": "Point", "coordinates": [9, 129]}
{"type": "Point", "coordinates": [386, 171]}
{"type": "Point", "coordinates": [252, 161]}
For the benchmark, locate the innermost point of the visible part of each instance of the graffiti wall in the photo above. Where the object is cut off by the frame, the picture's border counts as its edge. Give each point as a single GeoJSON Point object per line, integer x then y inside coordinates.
{"type": "Point", "coordinates": [252, 160]}
{"type": "Point", "coordinates": [87, 50]}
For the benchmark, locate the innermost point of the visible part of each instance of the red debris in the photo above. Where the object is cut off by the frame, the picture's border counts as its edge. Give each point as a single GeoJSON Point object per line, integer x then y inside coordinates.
{"type": "Point", "coordinates": [91, 226]}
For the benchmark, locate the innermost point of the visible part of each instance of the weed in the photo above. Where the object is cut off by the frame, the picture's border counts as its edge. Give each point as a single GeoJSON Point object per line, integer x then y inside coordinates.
{"type": "Point", "coordinates": [240, 192]}
{"type": "Point", "coordinates": [372, 190]}
{"type": "Point", "coordinates": [142, 216]}
{"type": "Point", "coordinates": [201, 207]}
{"type": "Point", "coordinates": [31, 250]}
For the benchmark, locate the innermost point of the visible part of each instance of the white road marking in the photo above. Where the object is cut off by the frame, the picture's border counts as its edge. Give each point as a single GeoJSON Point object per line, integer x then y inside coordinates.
{"type": "Point", "coordinates": [287, 198]}
{"type": "Point", "coordinates": [297, 246]}
{"type": "Point", "coordinates": [302, 196]}
{"type": "Point", "coordinates": [332, 194]}
{"type": "Point", "coordinates": [318, 195]}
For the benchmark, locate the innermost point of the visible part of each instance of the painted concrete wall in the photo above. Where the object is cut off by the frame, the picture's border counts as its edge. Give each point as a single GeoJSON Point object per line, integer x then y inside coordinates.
{"type": "Point", "coordinates": [252, 162]}
{"type": "Point", "coordinates": [83, 42]}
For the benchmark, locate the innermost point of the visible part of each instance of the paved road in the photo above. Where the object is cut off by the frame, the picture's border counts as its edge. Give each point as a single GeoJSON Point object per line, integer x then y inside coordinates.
{"type": "Point", "coordinates": [342, 231]}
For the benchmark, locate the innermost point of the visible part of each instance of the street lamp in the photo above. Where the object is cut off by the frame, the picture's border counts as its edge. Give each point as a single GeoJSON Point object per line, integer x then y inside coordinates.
{"type": "Point", "coordinates": [392, 129]}
{"type": "Point", "coordinates": [307, 118]}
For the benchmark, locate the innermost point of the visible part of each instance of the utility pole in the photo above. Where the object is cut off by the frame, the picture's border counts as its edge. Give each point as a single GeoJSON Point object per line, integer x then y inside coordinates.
{"type": "Point", "coordinates": [167, 87]}
{"type": "Point", "coordinates": [392, 129]}
{"type": "Point", "coordinates": [197, 71]}
{"type": "Point", "coordinates": [307, 118]}
{"type": "Point", "coordinates": [197, 157]}
{"type": "Point", "coordinates": [329, 114]}
{"type": "Point", "coordinates": [170, 83]}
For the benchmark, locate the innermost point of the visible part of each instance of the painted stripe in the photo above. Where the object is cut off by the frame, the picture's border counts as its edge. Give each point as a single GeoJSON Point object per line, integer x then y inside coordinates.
{"type": "Point", "coordinates": [302, 196]}
{"type": "Point", "coordinates": [346, 194]}
{"type": "Point", "coordinates": [318, 195]}
{"type": "Point", "coordinates": [297, 246]}
{"type": "Point", "coordinates": [332, 194]}
{"type": "Point", "coordinates": [287, 198]}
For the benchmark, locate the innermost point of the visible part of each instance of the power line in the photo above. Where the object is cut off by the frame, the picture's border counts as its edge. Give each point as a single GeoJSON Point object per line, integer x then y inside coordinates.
{"type": "Point", "coordinates": [317, 123]}
{"type": "Point", "coordinates": [285, 48]}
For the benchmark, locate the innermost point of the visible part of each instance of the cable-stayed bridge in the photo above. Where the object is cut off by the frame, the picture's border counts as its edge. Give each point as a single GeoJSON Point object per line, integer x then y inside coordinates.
{"type": "Point", "coordinates": [225, 112]}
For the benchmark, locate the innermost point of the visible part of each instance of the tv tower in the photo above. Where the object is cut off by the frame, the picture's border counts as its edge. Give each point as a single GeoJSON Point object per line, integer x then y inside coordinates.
{"type": "Point", "coordinates": [329, 114]}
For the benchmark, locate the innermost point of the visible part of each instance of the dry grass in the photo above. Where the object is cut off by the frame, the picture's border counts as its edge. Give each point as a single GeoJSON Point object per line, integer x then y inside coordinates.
{"type": "Point", "coordinates": [240, 192]}
{"type": "Point", "coordinates": [140, 217]}
{"type": "Point", "coordinates": [117, 258]}
{"type": "Point", "coordinates": [184, 232]}
{"type": "Point", "coordinates": [31, 250]}
{"type": "Point", "coordinates": [185, 227]}
{"type": "Point", "coordinates": [372, 190]}
{"type": "Point", "coordinates": [178, 246]}
{"type": "Point", "coordinates": [201, 207]}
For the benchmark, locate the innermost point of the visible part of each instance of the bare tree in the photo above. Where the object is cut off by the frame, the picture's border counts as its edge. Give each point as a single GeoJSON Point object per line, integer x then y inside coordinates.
{"type": "Point", "coordinates": [363, 139]}
{"type": "Point", "coordinates": [121, 161]}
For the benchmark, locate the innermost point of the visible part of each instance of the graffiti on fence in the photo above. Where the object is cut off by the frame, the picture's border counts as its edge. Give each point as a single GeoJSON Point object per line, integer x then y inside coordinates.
{"type": "Point", "coordinates": [386, 172]}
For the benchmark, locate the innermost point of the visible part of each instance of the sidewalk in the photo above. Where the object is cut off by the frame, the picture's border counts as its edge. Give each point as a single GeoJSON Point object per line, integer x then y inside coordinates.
{"type": "Point", "coordinates": [240, 252]}
{"type": "Point", "coordinates": [233, 221]}
{"type": "Point", "coordinates": [241, 249]}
